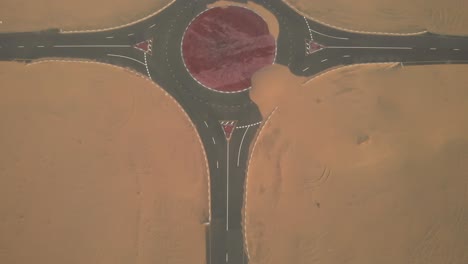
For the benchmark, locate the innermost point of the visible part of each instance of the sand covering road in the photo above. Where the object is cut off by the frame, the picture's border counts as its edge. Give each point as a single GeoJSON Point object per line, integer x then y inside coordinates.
{"type": "Point", "coordinates": [393, 16]}
{"type": "Point", "coordinates": [29, 15]}
{"type": "Point", "coordinates": [90, 169]}
{"type": "Point", "coordinates": [368, 164]}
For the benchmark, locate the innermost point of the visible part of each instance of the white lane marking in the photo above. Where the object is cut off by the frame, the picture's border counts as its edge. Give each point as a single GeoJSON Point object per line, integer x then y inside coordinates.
{"type": "Point", "coordinates": [217, 164]}
{"type": "Point", "coordinates": [131, 34]}
{"type": "Point", "coordinates": [432, 48]}
{"type": "Point", "coordinates": [146, 65]}
{"type": "Point", "coordinates": [311, 30]}
{"type": "Point", "coordinates": [344, 47]}
{"type": "Point", "coordinates": [346, 56]}
{"type": "Point", "coordinates": [456, 49]}
{"type": "Point", "coordinates": [305, 69]}
{"type": "Point", "coordinates": [254, 124]}
{"type": "Point", "coordinates": [227, 257]}
{"type": "Point", "coordinates": [227, 186]}
{"type": "Point", "coordinates": [152, 26]}
{"type": "Point", "coordinates": [214, 141]}
{"type": "Point", "coordinates": [324, 60]}
{"type": "Point", "coordinates": [40, 46]}
{"type": "Point", "coordinates": [240, 147]}
{"type": "Point", "coordinates": [125, 57]}
{"type": "Point", "coordinates": [110, 37]}
{"type": "Point", "coordinates": [20, 47]}
{"type": "Point", "coordinates": [308, 26]}
{"type": "Point", "coordinates": [206, 124]}
{"type": "Point", "coordinates": [92, 46]}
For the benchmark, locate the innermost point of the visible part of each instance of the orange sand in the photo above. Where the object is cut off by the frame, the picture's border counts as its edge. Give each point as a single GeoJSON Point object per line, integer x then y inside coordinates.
{"type": "Point", "coordinates": [363, 165]}
{"type": "Point", "coordinates": [391, 16]}
{"type": "Point", "coordinates": [270, 19]}
{"type": "Point", "coordinates": [97, 165]}
{"type": "Point", "coordinates": [29, 15]}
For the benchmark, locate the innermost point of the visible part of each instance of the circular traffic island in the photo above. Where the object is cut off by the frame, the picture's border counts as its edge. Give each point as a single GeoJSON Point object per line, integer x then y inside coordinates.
{"type": "Point", "coordinates": [224, 46]}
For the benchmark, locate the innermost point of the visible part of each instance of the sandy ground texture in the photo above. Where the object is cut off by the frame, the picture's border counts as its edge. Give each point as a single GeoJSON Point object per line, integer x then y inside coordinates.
{"type": "Point", "coordinates": [90, 169]}
{"type": "Point", "coordinates": [392, 16]}
{"type": "Point", "coordinates": [267, 15]}
{"type": "Point", "coordinates": [30, 15]}
{"type": "Point", "coordinates": [367, 164]}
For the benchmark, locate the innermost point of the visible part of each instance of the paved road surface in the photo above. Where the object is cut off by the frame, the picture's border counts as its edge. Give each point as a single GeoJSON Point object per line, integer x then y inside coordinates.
{"type": "Point", "coordinates": [206, 108]}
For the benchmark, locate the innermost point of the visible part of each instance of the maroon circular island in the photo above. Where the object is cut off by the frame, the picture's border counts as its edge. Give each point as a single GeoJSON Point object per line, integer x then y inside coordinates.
{"type": "Point", "coordinates": [224, 46]}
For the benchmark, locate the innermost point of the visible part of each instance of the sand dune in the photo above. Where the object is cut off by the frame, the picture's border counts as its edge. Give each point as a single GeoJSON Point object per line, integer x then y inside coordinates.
{"type": "Point", "coordinates": [30, 15]}
{"type": "Point", "coordinates": [90, 169]}
{"type": "Point", "coordinates": [444, 17]}
{"type": "Point", "coordinates": [368, 164]}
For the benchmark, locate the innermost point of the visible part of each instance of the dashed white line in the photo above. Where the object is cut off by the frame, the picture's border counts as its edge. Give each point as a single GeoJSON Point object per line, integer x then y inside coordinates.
{"type": "Point", "coordinates": [305, 69]}
{"type": "Point", "coordinates": [254, 124]}
{"type": "Point", "coordinates": [456, 49]}
{"type": "Point", "coordinates": [110, 37]}
{"type": "Point", "coordinates": [324, 60]}
{"type": "Point", "coordinates": [131, 34]}
{"type": "Point", "coordinates": [206, 124]}
{"type": "Point", "coordinates": [125, 57]}
{"type": "Point", "coordinates": [92, 46]}
{"type": "Point", "coordinates": [214, 141]}
{"type": "Point", "coordinates": [40, 46]}
{"type": "Point", "coordinates": [152, 26]}
{"type": "Point", "coordinates": [311, 30]}
{"type": "Point", "coordinates": [217, 164]}
{"type": "Point", "coordinates": [346, 56]}
{"type": "Point", "coordinates": [20, 47]}
{"type": "Point", "coordinates": [432, 48]}
{"type": "Point", "coordinates": [227, 257]}
{"type": "Point", "coordinates": [146, 65]}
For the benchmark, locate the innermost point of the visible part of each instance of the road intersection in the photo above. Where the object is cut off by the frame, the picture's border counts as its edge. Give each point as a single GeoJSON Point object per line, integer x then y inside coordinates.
{"type": "Point", "coordinates": [305, 46]}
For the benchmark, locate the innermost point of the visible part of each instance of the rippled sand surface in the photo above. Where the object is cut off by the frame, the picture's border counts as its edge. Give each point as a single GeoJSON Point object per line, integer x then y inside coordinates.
{"type": "Point", "coordinates": [367, 164]}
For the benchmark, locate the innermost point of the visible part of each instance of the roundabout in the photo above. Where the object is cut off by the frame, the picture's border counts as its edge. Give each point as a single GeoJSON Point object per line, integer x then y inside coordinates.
{"type": "Point", "coordinates": [224, 46]}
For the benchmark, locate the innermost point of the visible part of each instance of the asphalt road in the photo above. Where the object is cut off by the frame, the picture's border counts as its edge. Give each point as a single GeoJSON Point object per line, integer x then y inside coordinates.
{"type": "Point", "coordinates": [227, 161]}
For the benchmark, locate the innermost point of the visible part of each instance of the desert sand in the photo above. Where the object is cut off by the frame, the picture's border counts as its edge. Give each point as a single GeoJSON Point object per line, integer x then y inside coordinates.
{"type": "Point", "coordinates": [390, 16]}
{"type": "Point", "coordinates": [363, 165]}
{"type": "Point", "coordinates": [267, 15]}
{"type": "Point", "coordinates": [90, 169]}
{"type": "Point", "coordinates": [31, 15]}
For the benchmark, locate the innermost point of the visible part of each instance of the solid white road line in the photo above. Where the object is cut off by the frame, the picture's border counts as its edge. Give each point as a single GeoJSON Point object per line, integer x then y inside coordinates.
{"type": "Point", "coordinates": [152, 26]}
{"type": "Point", "coordinates": [92, 46]}
{"type": "Point", "coordinates": [311, 30]}
{"type": "Point", "coordinates": [206, 124]}
{"type": "Point", "coordinates": [344, 47]}
{"type": "Point", "coordinates": [214, 141]}
{"type": "Point", "coordinates": [125, 57]}
{"type": "Point", "coordinates": [305, 69]}
{"type": "Point", "coordinates": [240, 147]}
{"type": "Point", "coordinates": [227, 186]}
{"type": "Point", "coordinates": [324, 60]}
